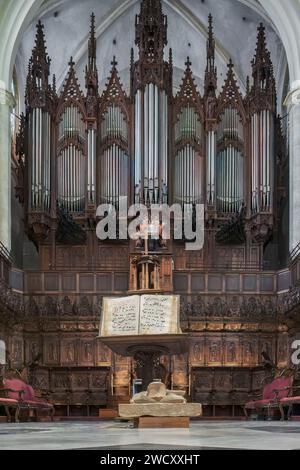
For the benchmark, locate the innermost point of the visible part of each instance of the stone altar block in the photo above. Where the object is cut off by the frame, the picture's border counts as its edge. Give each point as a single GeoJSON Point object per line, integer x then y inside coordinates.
{"type": "Point", "coordinates": [160, 408]}
{"type": "Point", "coordinates": [188, 410]}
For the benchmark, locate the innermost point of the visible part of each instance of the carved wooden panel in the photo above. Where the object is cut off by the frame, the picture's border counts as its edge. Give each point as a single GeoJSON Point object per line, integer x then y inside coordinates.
{"type": "Point", "coordinates": [113, 257]}
{"type": "Point", "coordinates": [17, 351]}
{"type": "Point", "coordinates": [197, 352]}
{"type": "Point", "coordinates": [214, 351]}
{"type": "Point", "coordinates": [69, 352]}
{"type": "Point", "coordinates": [71, 257]}
{"type": "Point", "coordinates": [87, 351]}
{"type": "Point", "coordinates": [232, 352]}
{"type": "Point", "coordinates": [104, 355]}
{"type": "Point", "coordinates": [51, 350]}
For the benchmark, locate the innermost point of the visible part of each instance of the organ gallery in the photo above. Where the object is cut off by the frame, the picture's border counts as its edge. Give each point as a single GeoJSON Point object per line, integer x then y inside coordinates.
{"type": "Point", "coordinates": [80, 147]}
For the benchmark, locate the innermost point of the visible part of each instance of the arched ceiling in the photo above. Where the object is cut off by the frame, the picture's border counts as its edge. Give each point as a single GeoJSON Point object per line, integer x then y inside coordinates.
{"type": "Point", "coordinates": [67, 26]}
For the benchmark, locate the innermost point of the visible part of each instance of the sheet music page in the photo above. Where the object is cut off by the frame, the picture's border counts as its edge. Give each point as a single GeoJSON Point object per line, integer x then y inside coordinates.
{"type": "Point", "coordinates": [159, 315]}
{"type": "Point", "coordinates": [120, 316]}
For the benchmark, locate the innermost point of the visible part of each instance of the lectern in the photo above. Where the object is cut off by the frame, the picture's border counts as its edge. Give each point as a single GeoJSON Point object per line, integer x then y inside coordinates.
{"type": "Point", "coordinates": [145, 328]}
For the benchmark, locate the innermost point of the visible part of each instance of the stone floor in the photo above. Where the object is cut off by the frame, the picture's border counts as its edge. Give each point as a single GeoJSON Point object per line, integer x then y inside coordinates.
{"type": "Point", "coordinates": [114, 435]}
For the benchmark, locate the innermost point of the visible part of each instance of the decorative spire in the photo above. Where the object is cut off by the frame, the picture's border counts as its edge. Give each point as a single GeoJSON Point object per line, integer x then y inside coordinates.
{"type": "Point", "coordinates": [188, 64]}
{"type": "Point", "coordinates": [188, 93]}
{"type": "Point", "coordinates": [171, 57]}
{"type": "Point", "coordinates": [71, 87]}
{"type": "Point", "coordinates": [114, 92]}
{"type": "Point", "coordinates": [211, 69]}
{"type": "Point", "coordinates": [230, 94]}
{"type": "Point", "coordinates": [92, 46]}
{"type": "Point", "coordinates": [262, 67]}
{"type": "Point", "coordinates": [151, 31]}
{"type": "Point", "coordinates": [247, 85]}
{"type": "Point", "coordinates": [91, 72]}
{"type": "Point", "coordinates": [40, 62]}
{"type": "Point", "coordinates": [114, 63]}
{"type": "Point", "coordinates": [37, 84]}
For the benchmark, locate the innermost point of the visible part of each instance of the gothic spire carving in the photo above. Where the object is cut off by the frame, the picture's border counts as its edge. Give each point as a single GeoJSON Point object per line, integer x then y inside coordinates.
{"type": "Point", "coordinates": [230, 95]}
{"type": "Point", "coordinates": [211, 77]}
{"type": "Point", "coordinates": [151, 31]}
{"type": "Point", "coordinates": [151, 27]}
{"type": "Point", "coordinates": [71, 91]}
{"type": "Point", "coordinates": [188, 93]}
{"type": "Point", "coordinates": [91, 72]}
{"type": "Point", "coordinates": [37, 85]}
{"type": "Point", "coordinates": [114, 92]}
{"type": "Point", "coordinates": [264, 86]}
{"type": "Point", "coordinates": [91, 75]}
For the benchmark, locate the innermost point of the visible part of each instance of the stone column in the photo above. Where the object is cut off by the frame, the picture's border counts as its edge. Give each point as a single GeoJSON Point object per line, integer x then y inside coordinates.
{"type": "Point", "coordinates": [6, 105]}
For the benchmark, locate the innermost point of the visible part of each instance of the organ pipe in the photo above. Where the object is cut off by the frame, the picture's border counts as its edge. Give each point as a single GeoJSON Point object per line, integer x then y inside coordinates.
{"type": "Point", "coordinates": [188, 176]}
{"type": "Point", "coordinates": [188, 162]}
{"type": "Point", "coordinates": [40, 144]}
{"type": "Point", "coordinates": [262, 137]}
{"type": "Point", "coordinates": [91, 166]}
{"type": "Point", "coordinates": [72, 161]}
{"type": "Point", "coordinates": [114, 166]}
{"type": "Point", "coordinates": [230, 162]}
{"type": "Point", "coordinates": [114, 175]}
{"type": "Point", "coordinates": [211, 165]}
{"type": "Point", "coordinates": [151, 142]}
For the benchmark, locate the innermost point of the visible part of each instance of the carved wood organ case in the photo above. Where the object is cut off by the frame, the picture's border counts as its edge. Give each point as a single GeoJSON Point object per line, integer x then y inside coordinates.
{"type": "Point", "coordinates": [80, 148]}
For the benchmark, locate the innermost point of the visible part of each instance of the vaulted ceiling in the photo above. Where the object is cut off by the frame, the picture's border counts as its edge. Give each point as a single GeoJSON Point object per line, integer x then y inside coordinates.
{"type": "Point", "coordinates": [67, 27]}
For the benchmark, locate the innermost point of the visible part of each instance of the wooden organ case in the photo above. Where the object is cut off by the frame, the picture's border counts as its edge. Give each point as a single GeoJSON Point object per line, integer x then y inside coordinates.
{"type": "Point", "coordinates": [80, 149]}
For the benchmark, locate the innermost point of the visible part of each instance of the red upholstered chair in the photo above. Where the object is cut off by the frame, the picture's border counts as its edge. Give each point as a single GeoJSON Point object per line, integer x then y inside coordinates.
{"type": "Point", "coordinates": [26, 398]}
{"type": "Point", "coordinates": [11, 392]}
{"type": "Point", "coordinates": [292, 398]}
{"type": "Point", "coordinates": [272, 395]}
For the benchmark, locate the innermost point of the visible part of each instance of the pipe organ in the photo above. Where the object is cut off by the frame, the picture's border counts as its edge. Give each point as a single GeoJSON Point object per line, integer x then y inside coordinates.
{"type": "Point", "coordinates": [153, 145]}
{"type": "Point", "coordinates": [71, 161]}
{"type": "Point", "coordinates": [114, 166]}
{"type": "Point", "coordinates": [230, 162]}
{"type": "Point", "coordinates": [188, 168]}
{"type": "Point", "coordinates": [40, 143]}
{"type": "Point", "coordinates": [262, 137]}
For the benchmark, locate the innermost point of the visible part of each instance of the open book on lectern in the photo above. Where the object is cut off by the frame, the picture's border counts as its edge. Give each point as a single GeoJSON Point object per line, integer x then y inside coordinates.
{"type": "Point", "coordinates": [140, 315]}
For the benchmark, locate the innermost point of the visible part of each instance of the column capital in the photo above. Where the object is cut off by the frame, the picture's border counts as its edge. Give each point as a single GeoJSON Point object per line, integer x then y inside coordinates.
{"type": "Point", "coordinates": [293, 97]}
{"type": "Point", "coordinates": [7, 98]}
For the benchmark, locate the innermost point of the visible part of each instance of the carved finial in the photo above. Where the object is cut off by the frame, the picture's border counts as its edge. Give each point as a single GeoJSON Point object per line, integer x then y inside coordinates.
{"type": "Point", "coordinates": [114, 63]}
{"type": "Point", "coordinates": [38, 70]}
{"type": "Point", "coordinates": [188, 64]}
{"type": "Point", "coordinates": [171, 57]}
{"type": "Point", "coordinates": [92, 45]}
{"type": "Point", "coordinates": [211, 70]}
{"type": "Point", "coordinates": [132, 56]}
{"type": "Point", "coordinates": [54, 84]}
{"type": "Point", "coordinates": [248, 85]}
{"type": "Point", "coordinates": [151, 30]}
{"type": "Point", "coordinates": [262, 67]}
{"type": "Point", "coordinates": [71, 62]}
{"type": "Point", "coordinates": [91, 73]}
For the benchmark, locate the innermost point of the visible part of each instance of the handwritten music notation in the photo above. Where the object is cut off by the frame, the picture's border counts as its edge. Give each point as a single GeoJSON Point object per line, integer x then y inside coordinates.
{"type": "Point", "coordinates": [140, 315]}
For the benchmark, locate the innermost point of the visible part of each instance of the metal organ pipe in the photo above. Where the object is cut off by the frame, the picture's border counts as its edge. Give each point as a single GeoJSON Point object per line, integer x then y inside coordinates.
{"type": "Point", "coordinates": [211, 162]}
{"type": "Point", "coordinates": [151, 141]}
{"type": "Point", "coordinates": [72, 162]}
{"type": "Point", "coordinates": [138, 138]}
{"type": "Point", "coordinates": [91, 166]}
{"type": "Point", "coordinates": [230, 166]}
{"type": "Point", "coordinates": [114, 161]}
{"type": "Point", "coordinates": [188, 162]}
